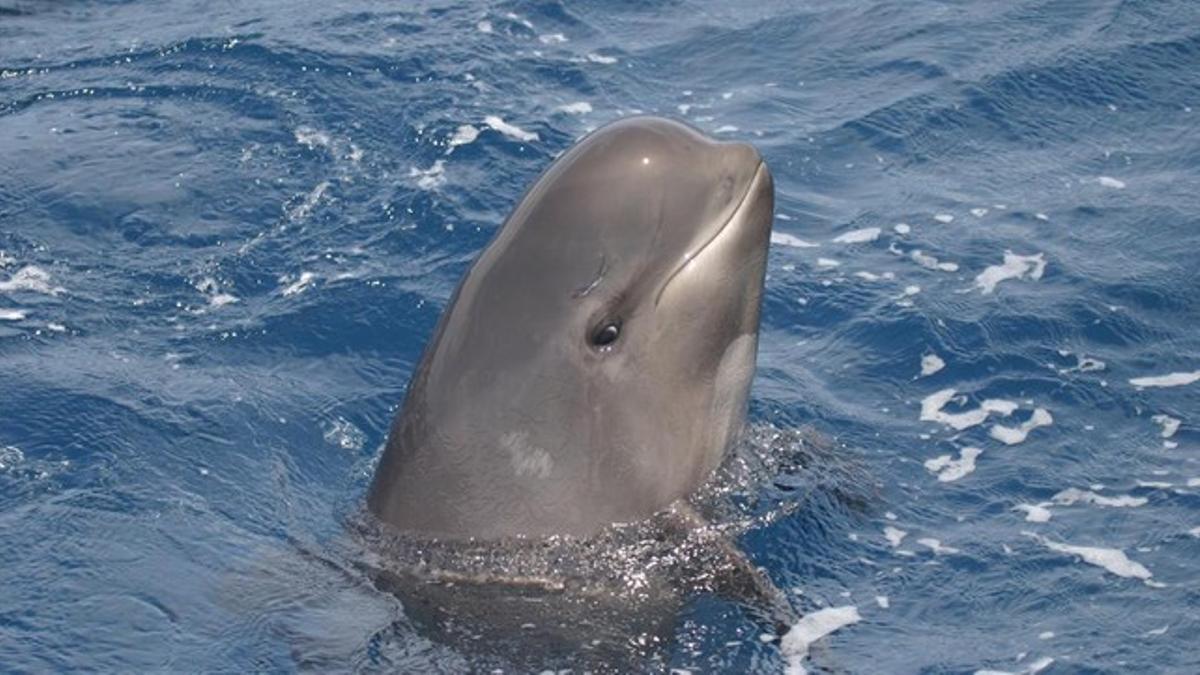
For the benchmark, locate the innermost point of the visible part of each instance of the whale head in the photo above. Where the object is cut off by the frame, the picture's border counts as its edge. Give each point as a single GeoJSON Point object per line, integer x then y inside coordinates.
{"type": "Point", "coordinates": [594, 364]}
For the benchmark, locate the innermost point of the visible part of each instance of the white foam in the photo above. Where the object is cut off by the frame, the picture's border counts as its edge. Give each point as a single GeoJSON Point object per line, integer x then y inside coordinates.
{"type": "Point", "coordinates": [312, 138]}
{"type": "Point", "coordinates": [1155, 484]}
{"type": "Point", "coordinates": [1084, 364]}
{"type": "Point", "coordinates": [552, 38]}
{"type": "Point", "coordinates": [222, 299]}
{"type": "Point", "coordinates": [1109, 181]}
{"type": "Point", "coordinates": [310, 201]}
{"type": "Point", "coordinates": [1075, 495]}
{"type": "Point", "coordinates": [428, 179]}
{"type": "Point", "coordinates": [813, 627]}
{"type": "Point", "coordinates": [1012, 436]}
{"type": "Point", "coordinates": [979, 212]}
{"type": "Point", "coordinates": [944, 218]}
{"type": "Point", "coordinates": [484, 26]}
{"type": "Point", "coordinates": [1168, 380]}
{"type": "Point", "coordinates": [862, 236]}
{"type": "Point", "coordinates": [931, 410]}
{"type": "Point", "coordinates": [1040, 665]}
{"type": "Point", "coordinates": [297, 286]}
{"type": "Point", "coordinates": [725, 129]}
{"type": "Point", "coordinates": [784, 239]}
{"type": "Point", "coordinates": [510, 130]}
{"type": "Point", "coordinates": [345, 435]}
{"type": "Point", "coordinates": [1169, 424]}
{"type": "Point", "coordinates": [1195, 532]}
{"type": "Point", "coordinates": [827, 262]}
{"type": "Point", "coordinates": [600, 58]}
{"type": "Point", "coordinates": [931, 263]}
{"type": "Point", "coordinates": [948, 469]}
{"type": "Point", "coordinates": [1112, 560]}
{"type": "Point", "coordinates": [464, 134]}
{"type": "Point", "coordinates": [56, 327]}
{"type": "Point", "coordinates": [937, 547]}
{"type": "Point", "coordinates": [12, 314]}
{"type": "Point", "coordinates": [882, 601]}
{"type": "Point", "coordinates": [894, 535]}
{"type": "Point", "coordinates": [30, 278]}
{"type": "Point", "coordinates": [6, 259]}
{"type": "Point", "coordinates": [930, 364]}
{"type": "Point", "coordinates": [902, 228]}
{"type": "Point", "coordinates": [871, 276]}
{"type": "Point", "coordinates": [1035, 513]}
{"type": "Point", "coordinates": [519, 19]}
{"type": "Point", "coordinates": [1046, 635]}
{"type": "Point", "coordinates": [10, 456]}
{"type": "Point", "coordinates": [1193, 482]}
{"type": "Point", "coordinates": [576, 108]}
{"type": "Point", "coordinates": [1014, 267]}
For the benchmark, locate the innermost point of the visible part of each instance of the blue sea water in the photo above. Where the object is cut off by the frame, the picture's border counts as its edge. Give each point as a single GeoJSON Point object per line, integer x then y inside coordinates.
{"type": "Point", "coordinates": [227, 230]}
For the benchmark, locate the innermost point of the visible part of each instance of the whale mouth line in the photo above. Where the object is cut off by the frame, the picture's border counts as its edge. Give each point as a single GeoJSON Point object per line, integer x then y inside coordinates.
{"type": "Point", "coordinates": [758, 171]}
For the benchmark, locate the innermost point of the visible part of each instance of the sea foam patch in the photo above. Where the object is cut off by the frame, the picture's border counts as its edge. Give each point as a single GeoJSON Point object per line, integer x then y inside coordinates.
{"type": "Point", "coordinates": [1075, 495]}
{"type": "Point", "coordinates": [576, 108]}
{"type": "Point", "coordinates": [297, 285]}
{"type": "Point", "coordinates": [932, 263]}
{"type": "Point", "coordinates": [496, 123]}
{"type": "Point", "coordinates": [949, 469]}
{"type": "Point", "coordinates": [866, 234]}
{"type": "Point", "coordinates": [1035, 513]}
{"type": "Point", "coordinates": [813, 627]}
{"type": "Point", "coordinates": [1169, 424]}
{"type": "Point", "coordinates": [931, 410]}
{"type": "Point", "coordinates": [428, 179]}
{"type": "Point", "coordinates": [1014, 267]}
{"type": "Point", "coordinates": [930, 364]}
{"type": "Point", "coordinates": [1014, 435]}
{"type": "Point", "coordinates": [937, 547]}
{"type": "Point", "coordinates": [894, 535]}
{"type": "Point", "coordinates": [1168, 380]}
{"type": "Point", "coordinates": [784, 239]}
{"type": "Point", "coordinates": [464, 134]}
{"type": "Point", "coordinates": [30, 278]}
{"type": "Point", "coordinates": [1112, 560]}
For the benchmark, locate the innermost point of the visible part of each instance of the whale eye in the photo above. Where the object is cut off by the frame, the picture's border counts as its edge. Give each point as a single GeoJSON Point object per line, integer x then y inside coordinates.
{"type": "Point", "coordinates": [606, 335]}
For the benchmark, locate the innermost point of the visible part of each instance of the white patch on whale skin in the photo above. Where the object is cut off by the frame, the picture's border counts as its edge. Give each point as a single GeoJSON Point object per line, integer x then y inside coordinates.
{"type": "Point", "coordinates": [527, 460]}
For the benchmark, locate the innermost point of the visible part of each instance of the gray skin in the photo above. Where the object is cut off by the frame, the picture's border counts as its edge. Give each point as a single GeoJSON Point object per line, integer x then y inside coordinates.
{"type": "Point", "coordinates": [517, 422]}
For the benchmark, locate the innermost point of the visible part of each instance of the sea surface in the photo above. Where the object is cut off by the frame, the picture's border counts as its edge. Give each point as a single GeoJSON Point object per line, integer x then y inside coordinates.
{"type": "Point", "coordinates": [227, 230]}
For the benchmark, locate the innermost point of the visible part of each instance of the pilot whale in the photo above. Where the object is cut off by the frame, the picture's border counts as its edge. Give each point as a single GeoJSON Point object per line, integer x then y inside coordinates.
{"type": "Point", "coordinates": [594, 364]}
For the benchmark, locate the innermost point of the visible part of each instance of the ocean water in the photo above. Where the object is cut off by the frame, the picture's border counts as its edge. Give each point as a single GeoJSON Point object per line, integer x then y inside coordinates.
{"type": "Point", "coordinates": [227, 230]}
